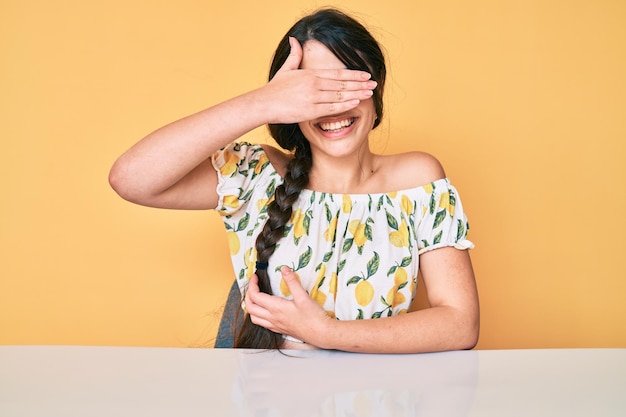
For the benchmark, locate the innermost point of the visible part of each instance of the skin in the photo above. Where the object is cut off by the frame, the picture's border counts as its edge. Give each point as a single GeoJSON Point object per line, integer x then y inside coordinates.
{"type": "Point", "coordinates": [171, 168]}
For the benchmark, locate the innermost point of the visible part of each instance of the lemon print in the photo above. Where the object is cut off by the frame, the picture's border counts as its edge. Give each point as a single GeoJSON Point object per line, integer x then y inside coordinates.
{"type": "Point", "coordinates": [298, 224]}
{"type": "Point", "coordinates": [428, 188]}
{"type": "Point", "coordinates": [400, 237]}
{"type": "Point", "coordinates": [262, 202]}
{"type": "Point", "coordinates": [284, 289]}
{"type": "Point", "coordinates": [249, 259]}
{"type": "Point", "coordinates": [347, 204]}
{"type": "Point", "coordinates": [364, 293]}
{"type": "Point", "coordinates": [233, 242]}
{"type": "Point", "coordinates": [444, 200]}
{"type": "Point", "coordinates": [230, 164]}
{"type": "Point", "coordinates": [329, 234]}
{"type": "Point", "coordinates": [398, 298]}
{"type": "Point", "coordinates": [332, 285]}
{"type": "Point", "coordinates": [407, 205]}
{"type": "Point", "coordinates": [400, 277]}
{"type": "Point", "coordinates": [263, 160]}
{"type": "Point", "coordinates": [358, 231]}
{"type": "Point", "coordinates": [319, 297]}
{"type": "Point", "coordinates": [231, 201]}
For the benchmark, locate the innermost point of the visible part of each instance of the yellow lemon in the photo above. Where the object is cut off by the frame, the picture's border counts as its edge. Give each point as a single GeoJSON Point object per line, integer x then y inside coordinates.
{"type": "Point", "coordinates": [332, 285]}
{"type": "Point", "coordinates": [261, 203]}
{"type": "Point", "coordinates": [230, 164]}
{"type": "Point", "coordinates": [444, 200]}
{"type": "Point", "coordinates": [233, 242]}
{"type": "Point", "coordinates": [400, 238]}
{"type": "Point", "coordinates": [398, 299]}
{"type": "Point", "coordinates": [329, 234]}
{"type": "Point", "coordinates": [359, 235]}
{"type": "Point", "coordinates": [400, 277]}
{"type": "Point", "coordinates": [347, 204]}
{"type": "Point", "coordinates": [320, 297]}
{"type": "Point", "coordinates": [231, 201]}
{"type": "Point", "coordinates": [428, 188]}
{"type": "Point", "coordinates": [364, 293]}
{"type": "Point", "coordinates": [392, 194]}
{"type": "Point", "coordinates": [298, 224]}
{"type": "Point", "coordinates": [249, 259]}
{"type": "Point", "coordinates": [262, 161]}
{"type": "Point", "coordinates": [284, 289]}
{"type": "Point", "coordinates": [407, 205]}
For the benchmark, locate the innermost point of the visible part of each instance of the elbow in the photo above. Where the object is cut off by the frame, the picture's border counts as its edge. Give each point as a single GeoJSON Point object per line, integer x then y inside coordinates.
{"type": "Point", "coordinates": [121, 180]}
{"type": "Point", "coordinates": [468, 338]}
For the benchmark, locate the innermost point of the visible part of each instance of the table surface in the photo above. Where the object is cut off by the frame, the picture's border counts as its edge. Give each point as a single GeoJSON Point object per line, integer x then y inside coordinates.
{"type": "Point", "coordinates": [121, 381]}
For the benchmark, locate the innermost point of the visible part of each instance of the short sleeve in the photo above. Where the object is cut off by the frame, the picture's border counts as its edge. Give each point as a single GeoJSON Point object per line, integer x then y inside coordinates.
{"type": "Point", "coordinates": [242, 170]}
{"type": "Point", "coordinates": [444, 223]}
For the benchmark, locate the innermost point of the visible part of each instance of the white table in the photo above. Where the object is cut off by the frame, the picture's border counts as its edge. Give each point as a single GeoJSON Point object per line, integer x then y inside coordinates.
{"type": "Point", "coordinates": [118, 381]}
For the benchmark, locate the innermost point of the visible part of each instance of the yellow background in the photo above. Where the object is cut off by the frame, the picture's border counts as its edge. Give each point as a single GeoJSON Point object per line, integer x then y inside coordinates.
{"type": "Point", "coordinates": [524, 102]}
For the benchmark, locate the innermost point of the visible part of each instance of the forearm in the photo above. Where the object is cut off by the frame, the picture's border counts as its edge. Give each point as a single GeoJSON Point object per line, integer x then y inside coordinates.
{"type": "Point", "coordinates": [169, 154]}
{"type": "Point", "coordinates": [429, 330]}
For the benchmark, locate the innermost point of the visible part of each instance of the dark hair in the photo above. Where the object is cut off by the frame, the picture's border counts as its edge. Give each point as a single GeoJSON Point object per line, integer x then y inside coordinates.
{"type": "Point", "coordinates": [353, 45]}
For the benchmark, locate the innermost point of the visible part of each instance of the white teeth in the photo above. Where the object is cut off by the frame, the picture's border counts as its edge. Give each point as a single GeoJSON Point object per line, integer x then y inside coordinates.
{"type": "Point", "coordinates": [336, 125]}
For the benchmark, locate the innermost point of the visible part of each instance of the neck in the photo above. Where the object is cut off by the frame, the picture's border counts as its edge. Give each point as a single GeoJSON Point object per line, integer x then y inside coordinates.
{"type": "Point", "coordinates": [350, 174]}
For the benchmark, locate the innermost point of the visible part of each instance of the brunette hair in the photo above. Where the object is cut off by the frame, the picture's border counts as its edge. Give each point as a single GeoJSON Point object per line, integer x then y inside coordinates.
{"type": "Point", "coordinates": [353, 45]}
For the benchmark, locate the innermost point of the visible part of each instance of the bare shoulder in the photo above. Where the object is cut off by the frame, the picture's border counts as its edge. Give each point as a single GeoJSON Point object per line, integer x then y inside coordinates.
{"type": "Point", "coordinates": [278, 158]}
{"type": "Point", "coordinates": [412, 169]}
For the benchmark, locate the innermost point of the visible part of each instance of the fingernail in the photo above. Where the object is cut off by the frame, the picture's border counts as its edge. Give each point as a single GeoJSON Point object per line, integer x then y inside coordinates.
{"type": "Point", "coordinates": [366, 76]}
{"type": "Point", "coordinates": [372, 84]}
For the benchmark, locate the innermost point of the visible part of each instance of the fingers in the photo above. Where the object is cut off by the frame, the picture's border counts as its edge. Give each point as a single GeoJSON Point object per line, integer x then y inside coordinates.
{"type": "Point", "coordinates": [293, 283]}
{"type": "Point", "coordinates": [295, 56]}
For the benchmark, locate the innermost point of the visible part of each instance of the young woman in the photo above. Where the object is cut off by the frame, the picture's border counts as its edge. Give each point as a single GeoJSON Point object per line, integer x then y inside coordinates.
{"type": "Point", "coordinates": [326, 237]}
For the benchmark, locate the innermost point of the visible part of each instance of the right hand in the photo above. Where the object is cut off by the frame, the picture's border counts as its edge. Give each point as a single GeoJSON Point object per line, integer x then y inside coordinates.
{"type": "Point", "coordinates": [296, 95]}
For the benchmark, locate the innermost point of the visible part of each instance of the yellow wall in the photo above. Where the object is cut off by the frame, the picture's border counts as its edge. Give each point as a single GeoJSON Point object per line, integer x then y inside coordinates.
{"type": "Point", "coordinates": [523, 101]}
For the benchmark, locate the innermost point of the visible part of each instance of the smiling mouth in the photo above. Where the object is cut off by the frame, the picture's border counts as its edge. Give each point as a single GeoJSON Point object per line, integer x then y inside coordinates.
{"type": "Point", "coordinates": [337, 125]}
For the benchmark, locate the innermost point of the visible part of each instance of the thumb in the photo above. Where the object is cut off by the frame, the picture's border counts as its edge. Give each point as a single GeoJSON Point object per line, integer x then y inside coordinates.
{"type": "Point", "coordinates": [295, 56]}
{"type": "Point", "coordinates": [292, 281]}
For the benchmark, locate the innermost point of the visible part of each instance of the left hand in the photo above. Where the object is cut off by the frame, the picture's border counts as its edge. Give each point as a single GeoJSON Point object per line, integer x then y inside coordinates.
{"type": "Point", "coordinates": [300, 317]}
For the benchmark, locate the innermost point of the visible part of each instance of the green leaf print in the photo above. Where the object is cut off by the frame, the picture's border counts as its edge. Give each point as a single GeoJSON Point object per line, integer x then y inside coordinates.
{"type": "Point", "coordinates": [431, 208]}
{"type": "Point", "coordinates": [341, 265]}
{"type": "Point", "coordinates": [270, 189]}
{"type": "Point", "coordinates": [355, 279]}
{"type": "Point", "coordinates": [392, 270]}
{"type": "Point", "coordinates": [305, 258]}
{"type": "Point", "coordinates": [460, 230]}
{"type": "Point", "coordinates": [382, 300]}
{"type": "Point", "coordinates": [306, 222]}
{"type": "Point", "coordinates": [377, 315]}
{"type": "Point", "coordinates": [437, 238]}
{"type": "Point", "coordinates": [360, 315]}
{"type": "Point", "coordinates": [373, 264]}
{"type": "Point", "coordinates": [329, 215]}
{"type": "Point", "coordinates": [452, 200]}
{"type": "Point", "coordinates": [425, 243]}
{"type": "Point", "coordinates": [369, 204]}
{"type": "Point", "coordinates": [243, 223]}
{"type": "Point", "coordinates": [404, 284]}
{"type": "Point", "coordinates": [327, 256]}
{"type": "Point", "coordinates": [246, 196]}
{"type": "Point", "coordinates": [441, 215]}
{"type": "Point", "coordinates": [368, 232]}
{"type": "Point", "coordinates": [406, 261]}
{"type": "Point", "coordinates": [380, 202]}
{"type": "Point", "coordinates": [391, 221]}
{"type": "Point", "coordinates": [347, 244]}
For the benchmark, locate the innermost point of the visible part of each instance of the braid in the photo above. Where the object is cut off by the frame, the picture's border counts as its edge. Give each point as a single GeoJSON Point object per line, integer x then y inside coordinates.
{"type": "Point", "coordinates": [279, 214]}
